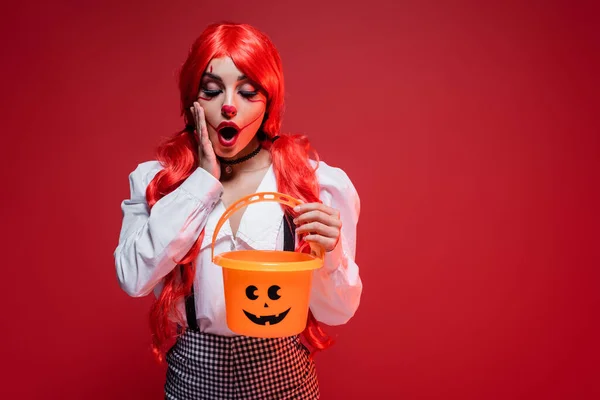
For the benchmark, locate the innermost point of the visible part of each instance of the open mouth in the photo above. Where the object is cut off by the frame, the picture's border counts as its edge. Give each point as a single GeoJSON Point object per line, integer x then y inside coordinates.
{"type": "Point", "coordinates": [228, 132]}
{"type": "Point", "coordinates": [267, 319]}
{"type": "Point", "coordinates": [228, 135]}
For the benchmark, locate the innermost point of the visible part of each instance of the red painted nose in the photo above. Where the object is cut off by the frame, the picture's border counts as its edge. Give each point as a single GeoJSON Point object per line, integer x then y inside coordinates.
{"type": "Point", "coordinates": [228, 111]}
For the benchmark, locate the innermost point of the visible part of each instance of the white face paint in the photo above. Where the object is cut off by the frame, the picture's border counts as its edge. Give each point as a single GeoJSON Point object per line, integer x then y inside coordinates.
{"type": "Point", "coordinates": [229, 98]}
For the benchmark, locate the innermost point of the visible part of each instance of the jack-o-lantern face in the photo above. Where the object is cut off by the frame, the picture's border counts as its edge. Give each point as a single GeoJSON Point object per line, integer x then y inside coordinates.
{"type": "Point", "coordinates": [271, 303]}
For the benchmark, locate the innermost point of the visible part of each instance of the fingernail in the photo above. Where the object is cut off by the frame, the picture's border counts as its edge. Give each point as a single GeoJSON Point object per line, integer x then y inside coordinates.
{"type": "Point", "coordinates": [297, 208]}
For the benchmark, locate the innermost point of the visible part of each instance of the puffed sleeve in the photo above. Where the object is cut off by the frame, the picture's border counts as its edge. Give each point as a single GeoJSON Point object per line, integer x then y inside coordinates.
{"type": "Point", "coordinates": [151, 241]}
{"type": "Point", "coordinates": [337, 287]}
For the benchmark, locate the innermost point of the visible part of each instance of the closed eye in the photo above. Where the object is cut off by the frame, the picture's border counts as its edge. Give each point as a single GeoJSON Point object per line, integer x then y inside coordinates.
{"type": "Point", "coordinates": [211, 93]}
{"type": "Point", "coordinates": [248, 94]}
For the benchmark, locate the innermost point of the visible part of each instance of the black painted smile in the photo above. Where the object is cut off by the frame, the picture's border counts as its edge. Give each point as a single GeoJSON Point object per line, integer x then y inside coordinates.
{"type": "Point", "coordinates": [267, 319]}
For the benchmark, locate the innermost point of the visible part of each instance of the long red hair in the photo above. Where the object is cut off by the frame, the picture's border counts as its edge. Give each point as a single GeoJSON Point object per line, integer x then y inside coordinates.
{"type": "Point", "coordinates": [254, 54]}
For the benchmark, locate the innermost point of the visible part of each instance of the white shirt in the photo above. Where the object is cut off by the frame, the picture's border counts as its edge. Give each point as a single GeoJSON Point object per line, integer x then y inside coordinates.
{"type": "Point", "coordinates": [149, 242]}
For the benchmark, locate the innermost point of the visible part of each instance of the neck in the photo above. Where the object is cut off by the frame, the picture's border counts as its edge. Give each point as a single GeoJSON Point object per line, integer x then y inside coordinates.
{"type": "Point", "coordinates": [259, 162]}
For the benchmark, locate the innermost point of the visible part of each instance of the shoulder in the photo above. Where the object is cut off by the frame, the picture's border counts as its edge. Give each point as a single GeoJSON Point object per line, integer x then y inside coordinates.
{"type": "Point", "coordinates": [147, 169]}
{"type": "Point", "coordinates": [331, 176]}
{"type": "Point", "coordinates": [143, 174]}
{"type": "Point", "coordinates": [335, 184]}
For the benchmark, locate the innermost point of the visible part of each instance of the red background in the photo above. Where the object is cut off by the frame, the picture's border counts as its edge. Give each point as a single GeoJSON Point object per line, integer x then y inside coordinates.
{"type": "Point", "coordinates": [470, 132]}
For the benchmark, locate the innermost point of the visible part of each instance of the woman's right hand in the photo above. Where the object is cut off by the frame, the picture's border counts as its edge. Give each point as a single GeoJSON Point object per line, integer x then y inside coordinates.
{"type": "Point", "coordinates": [207, 158]}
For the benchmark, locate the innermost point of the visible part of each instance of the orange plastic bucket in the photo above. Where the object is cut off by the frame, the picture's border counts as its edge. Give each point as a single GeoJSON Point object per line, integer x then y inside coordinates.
{"type": "Point", "coordinates": [267, 292]}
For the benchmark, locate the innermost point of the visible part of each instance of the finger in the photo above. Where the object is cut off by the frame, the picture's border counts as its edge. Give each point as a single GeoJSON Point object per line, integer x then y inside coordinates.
{"type": "Point", "coordinates": [206, 143]}
{"type": "Point", "coordinates": [196, 131]}
{"type": "Point", "coordinates": [315, 206]}
{"type": "Point", "coordinates": [319, 216]}
{"type": "Point", "coordinates": [195, 107]}
{"type": "Point", "coordinates": [319, 228]}
{"type": "Point", "coordinates": [196, 114]}
{"type": "Point", "coordinates": [327, 243]}
{"type": "Point", "coordinates": [200, 116]}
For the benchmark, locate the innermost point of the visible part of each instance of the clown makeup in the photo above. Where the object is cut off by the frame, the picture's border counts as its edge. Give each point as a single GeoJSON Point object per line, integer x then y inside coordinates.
{"type": "Point", "coordinates": [234, 107]}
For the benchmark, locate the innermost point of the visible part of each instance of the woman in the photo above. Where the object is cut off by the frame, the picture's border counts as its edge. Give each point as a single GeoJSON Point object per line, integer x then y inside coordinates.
{"type": "Point", "coordinates": [232, 92]}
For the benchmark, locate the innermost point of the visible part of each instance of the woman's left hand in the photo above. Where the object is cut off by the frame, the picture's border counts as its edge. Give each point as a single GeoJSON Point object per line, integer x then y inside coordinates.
{"type": "Point", "coordinates": [322, 223]}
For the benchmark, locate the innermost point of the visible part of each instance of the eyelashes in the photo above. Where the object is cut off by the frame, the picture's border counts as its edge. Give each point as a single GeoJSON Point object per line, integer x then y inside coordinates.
{"type": "Point", "coordinates": [248, 95]}
{"type": "Point", "coordinates": [214, 93]}
{"type": "Point", "coordinates": [211, 93]}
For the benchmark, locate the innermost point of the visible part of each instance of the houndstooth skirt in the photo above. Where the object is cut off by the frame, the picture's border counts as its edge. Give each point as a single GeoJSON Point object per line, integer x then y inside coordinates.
{"type": "Point", "coordinates": [205, 366]}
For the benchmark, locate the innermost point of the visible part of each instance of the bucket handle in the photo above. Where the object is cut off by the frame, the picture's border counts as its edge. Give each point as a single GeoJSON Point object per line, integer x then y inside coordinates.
{"type": "Point", "coordinates": [316, 249]}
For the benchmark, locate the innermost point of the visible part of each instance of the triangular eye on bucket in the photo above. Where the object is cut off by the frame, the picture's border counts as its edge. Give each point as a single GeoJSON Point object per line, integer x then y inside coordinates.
{"type": "Point", "coordinates": [280, 279]}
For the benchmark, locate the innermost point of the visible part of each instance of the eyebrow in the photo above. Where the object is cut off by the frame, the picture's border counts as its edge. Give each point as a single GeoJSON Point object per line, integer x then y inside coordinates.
{"type": "Point", "coordinates": [218, 78]}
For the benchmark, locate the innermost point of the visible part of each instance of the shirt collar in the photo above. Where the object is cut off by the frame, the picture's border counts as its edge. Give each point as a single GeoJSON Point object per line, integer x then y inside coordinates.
{"type": "Point", "coordinates": [260, 222]}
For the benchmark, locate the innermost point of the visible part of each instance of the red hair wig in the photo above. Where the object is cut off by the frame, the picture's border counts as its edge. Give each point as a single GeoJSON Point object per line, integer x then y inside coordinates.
{"type": "Point", "coordinates": [254, 55]}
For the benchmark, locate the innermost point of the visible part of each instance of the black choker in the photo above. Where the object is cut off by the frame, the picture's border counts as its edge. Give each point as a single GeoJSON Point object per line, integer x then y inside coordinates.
{"type": "Point", "coordinates": [229, 163]}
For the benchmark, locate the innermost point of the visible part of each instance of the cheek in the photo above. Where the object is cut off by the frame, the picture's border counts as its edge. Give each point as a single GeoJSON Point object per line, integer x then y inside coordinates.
{"type": "Point", "coordinates": [212, 113]}
{"type": "Point", "coordinates": [251, 115]}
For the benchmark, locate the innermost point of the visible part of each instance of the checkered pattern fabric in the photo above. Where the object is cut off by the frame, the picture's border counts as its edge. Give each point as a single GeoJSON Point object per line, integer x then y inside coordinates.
{"type": "Point", "coordinates": [205, 366]}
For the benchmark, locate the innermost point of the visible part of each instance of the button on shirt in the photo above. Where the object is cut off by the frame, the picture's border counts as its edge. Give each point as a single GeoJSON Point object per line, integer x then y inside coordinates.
{"type": "Point", "coordinates": [151, 240]}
